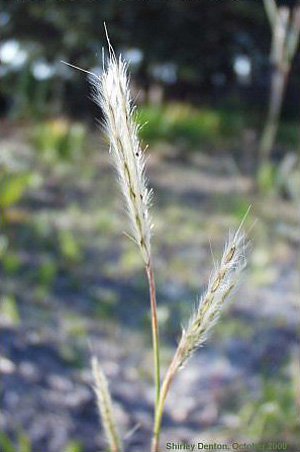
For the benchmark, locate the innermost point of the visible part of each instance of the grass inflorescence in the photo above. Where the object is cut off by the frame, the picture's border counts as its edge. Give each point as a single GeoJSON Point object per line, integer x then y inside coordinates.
{"type": "Point", "coordinates": [112, 94]}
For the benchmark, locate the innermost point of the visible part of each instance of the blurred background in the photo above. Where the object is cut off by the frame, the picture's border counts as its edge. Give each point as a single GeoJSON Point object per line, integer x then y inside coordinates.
{"type": "Point", "coordinates": [217, 88]}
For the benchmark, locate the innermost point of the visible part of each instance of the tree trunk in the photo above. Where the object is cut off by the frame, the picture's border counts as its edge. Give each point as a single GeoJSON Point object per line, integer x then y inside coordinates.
{"type": "Point", "coordinates": [278, 85]}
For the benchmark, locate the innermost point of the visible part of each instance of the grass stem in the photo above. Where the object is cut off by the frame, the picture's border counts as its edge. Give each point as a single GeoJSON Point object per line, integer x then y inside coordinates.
{"type": "Point", "coordinates": [155, 331]}
{"type": "Point", "coordinates": [171, 372]}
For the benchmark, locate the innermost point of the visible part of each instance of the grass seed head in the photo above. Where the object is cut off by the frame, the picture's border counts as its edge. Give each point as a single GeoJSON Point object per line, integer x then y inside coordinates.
{"type": "Point", "coordinates": [105, 407]}
{"type": "Point", "coordinates": [221, 284]}
{"type": "Point", "coordinates": [112, 94]}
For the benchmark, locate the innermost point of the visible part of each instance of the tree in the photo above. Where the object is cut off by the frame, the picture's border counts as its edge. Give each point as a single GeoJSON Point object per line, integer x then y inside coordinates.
{"type": "Point", "coordinates": [285, 25]}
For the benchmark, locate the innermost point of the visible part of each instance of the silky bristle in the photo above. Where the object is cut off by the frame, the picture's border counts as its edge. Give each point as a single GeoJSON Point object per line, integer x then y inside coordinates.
{"type": "Point", "coordinates": [105, 407]}
{"type": "Point", "coordinates": [112, 94]}
{"type": "Point", "coordinates": [220, 287]}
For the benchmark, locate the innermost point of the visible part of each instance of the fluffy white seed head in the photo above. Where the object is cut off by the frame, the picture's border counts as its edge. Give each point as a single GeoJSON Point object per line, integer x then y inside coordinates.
{"type": "Point", "coordinates": [105, 407]}
{"type": "Point", "coordinates": [112, 94]}
{"type": "Point", "coordinates": [221, 284]}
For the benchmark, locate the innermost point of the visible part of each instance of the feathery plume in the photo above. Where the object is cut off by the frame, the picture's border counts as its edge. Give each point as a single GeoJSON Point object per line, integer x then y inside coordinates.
{"type": "Point", "coordinates": [105, 407]}
{"type": "Point", "coordinates": [211, 304]}
{"type": "Point", "coordinates": [221, 284]}
{"type": "Point", "coordinates": [111, 93]}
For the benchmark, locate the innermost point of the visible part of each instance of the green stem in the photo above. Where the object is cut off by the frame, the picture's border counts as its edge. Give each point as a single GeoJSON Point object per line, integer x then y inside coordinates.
{"type": "Point", "coordinates": [155, 334]}
{"type": "Point", "coordinates": [171, 372]}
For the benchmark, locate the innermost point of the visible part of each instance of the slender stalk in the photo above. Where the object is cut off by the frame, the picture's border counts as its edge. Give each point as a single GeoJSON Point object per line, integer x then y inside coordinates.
{"type": "Point", "coordinates": [112, 94]}
{"type": "Point", "coordinates": [155, 331]}
{"type": "Point", "coordinates": [171, 372]}
{"type": "Point", "coordinates": [211, 303]}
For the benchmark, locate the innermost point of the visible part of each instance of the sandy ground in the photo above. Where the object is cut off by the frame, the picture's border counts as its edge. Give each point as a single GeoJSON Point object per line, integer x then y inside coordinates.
{"type": "Point", "coordinates": [94, 300]}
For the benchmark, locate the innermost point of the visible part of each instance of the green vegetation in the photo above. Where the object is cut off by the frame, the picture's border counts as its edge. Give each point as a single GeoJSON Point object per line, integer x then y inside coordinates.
{"type": "Point", "coordinates": [13, 186]}
{"type": "Point", "coordinates": [188, 126]}
{"type": "Point", "coordinates": [201, 129]}
{"type": "Point", "coordinates": [59, 139]}
{"type": "Point", "coordinates": [273, 415]}
{"type": "Point", "coordinates": [9, 310]}
{"type": "Point", "coordinates": [23, 444]}
{"type": "Point", "coordinates": [288, 133]}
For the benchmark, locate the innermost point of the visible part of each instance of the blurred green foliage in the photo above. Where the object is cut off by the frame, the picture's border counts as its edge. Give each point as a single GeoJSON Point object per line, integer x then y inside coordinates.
{"type": "Point", "coordinates": [75, 325]}
{"type": "Point", "coordinates": [288, 132]}
{"type": "Point", "coordinates": [46, 272]}
{"type": "Point", "coordinates": [266, 177]}
{"type": "Point", "coordinates": [32, 97]}
{"type": "Point", "coordinates": [10, 262]}
{"type": "Point", "coordinates": [105, 302]}
{"type": "Point", "coordinates": [191, 128]}
{"type": "Point", "coordinates": [59, 139]}
{"type": "Point", "coordinates": [9, 310]}
{"type": "Point", "coordinates": [13, 186]}
{"type": "Point", "coordinates": [182, 123]}
{"type": "Point", "coordinates": [73, 446]}
{"type": "Point", "coordinates": [23, 443]}
{"type": "Point", "coordinates": [69, 247]}
{"type": "Point", "coordinates": [274, 414]}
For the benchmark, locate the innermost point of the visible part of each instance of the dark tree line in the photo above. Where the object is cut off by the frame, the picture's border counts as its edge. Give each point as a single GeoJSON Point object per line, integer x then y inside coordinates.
{"type": "Point", "coordinates": [200, 38]}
